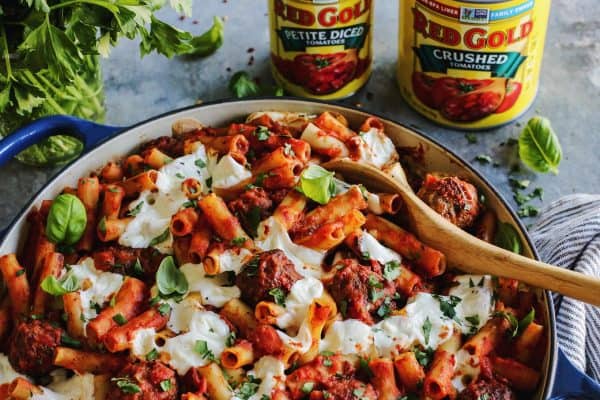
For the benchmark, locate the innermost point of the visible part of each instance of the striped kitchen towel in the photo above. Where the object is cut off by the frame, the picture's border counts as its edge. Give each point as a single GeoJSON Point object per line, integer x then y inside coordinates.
{"type": "Point", "coordinates": [567, 234]}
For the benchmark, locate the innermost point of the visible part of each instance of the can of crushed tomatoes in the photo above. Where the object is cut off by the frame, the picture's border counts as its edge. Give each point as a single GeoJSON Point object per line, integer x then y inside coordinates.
{"type": "Point", "coordinates": [321, 48]}
{"type": "Point", "coordinates": [471, 64]}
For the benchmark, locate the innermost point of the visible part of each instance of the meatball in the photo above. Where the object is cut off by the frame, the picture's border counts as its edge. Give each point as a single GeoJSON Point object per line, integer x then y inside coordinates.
{"type": "Point", "coordinates": [144, 381]}
{"type": "Point", "coordinates": [266, 271]}
{"type": "Point", "coordinates": [253, 205]}
{"type": "Point", "coordinates": [124, 260]}
{"type": "Point", "coordinates": [32, 347]}
{"type": "Point", "coordinates": [360, 291]}
{"type": "Point", "coordinates": [491, 390]}
{"type": "Point", "coordinates": [452, 198]}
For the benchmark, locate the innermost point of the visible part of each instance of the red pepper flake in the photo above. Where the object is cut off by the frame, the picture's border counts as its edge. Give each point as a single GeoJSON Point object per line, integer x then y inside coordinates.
{"type": "Point", "coordinates": [228, 69]}
{"type": "Point", "coordinates": [195, 22]}
{"type": "Point", "coordinates": [251, 60]}
{"type": "Point", "coordinates": [181, 17]}
{"type": "Point", "coordinates": [250, 50]}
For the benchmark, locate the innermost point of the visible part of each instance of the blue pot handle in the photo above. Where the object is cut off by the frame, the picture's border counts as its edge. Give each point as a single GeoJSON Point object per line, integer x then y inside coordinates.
{"type": "Point", "coordinates": [90, 133]}
{"type": "Point", "coordinates": [570, 383]}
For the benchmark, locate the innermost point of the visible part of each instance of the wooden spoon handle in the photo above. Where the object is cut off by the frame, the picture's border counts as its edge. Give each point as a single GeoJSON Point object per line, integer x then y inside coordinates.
{"type": "Point", "coordinates": [468, 253]}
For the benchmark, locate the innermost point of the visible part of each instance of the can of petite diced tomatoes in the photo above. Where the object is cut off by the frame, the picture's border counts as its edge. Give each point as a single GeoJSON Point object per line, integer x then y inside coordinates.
{"type": "Point", "coordinates": [471, 64]}
{"type": "Point", "coordinates": [321, 48]}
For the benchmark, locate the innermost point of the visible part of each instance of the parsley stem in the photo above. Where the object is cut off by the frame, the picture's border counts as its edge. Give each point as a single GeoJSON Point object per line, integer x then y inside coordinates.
{"type": "Point", "coordinates": [49, 98]}
{"type": "Point", "coordinates": [6, 54]}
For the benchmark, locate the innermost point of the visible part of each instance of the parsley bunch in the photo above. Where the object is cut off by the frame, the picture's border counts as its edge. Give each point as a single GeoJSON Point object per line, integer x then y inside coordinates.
{"type": "Point", "coordinates": [49, 58]}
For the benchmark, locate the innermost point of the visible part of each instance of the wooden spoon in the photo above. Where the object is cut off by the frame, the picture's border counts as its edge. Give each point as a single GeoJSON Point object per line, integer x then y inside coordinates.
{"type": "Point", "coordinates": [466, 252]}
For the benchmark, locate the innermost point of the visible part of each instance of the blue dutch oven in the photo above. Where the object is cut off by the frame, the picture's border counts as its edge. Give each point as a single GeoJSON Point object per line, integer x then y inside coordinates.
{"type": "Point", "coordinates": [561, 380]}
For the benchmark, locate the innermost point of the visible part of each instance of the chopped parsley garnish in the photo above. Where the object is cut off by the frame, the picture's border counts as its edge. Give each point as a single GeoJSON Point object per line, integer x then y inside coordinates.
{"type": "Point", "coordinates": [307, 387]}
{"type": "Point", "coordinates": [384, 309]}
{"type": "Point", "coordinates": [209, 182]}
{"type": "Point", "coordinates": [278, 295]}
{"type": "Point", "coordinates": [251, 267]}
{"type": "Point", "coordinates": [447, 307]}
{"type": "Point", "coordinates": [152, 355]}
{"type": "Point", "coordinates": [201, 347]}
{"type": "Point", "coordinates": [262, 133]}
{"type": "Point", "coordinates": [190, 204]}
{"type": "Point", "coordinates": [137, 267]}
{"type": "Point", "coordinates": [126, 385]}
{"type": "Point", "coordinates": [426, 330]}
{"type": "Point", "coordinates": [483, 159]}
{"type": "Point", "coordinates": [102, 226]}
{"type": "Point", "coordinates": [119, 319]}
{"type": "Point", "coordinates": [180, 175]}
{"type": "Point", "coordinates": [248, 388]}
{"type": "Point", "coordinates": [165, 385]}
{"type": "Point", "coordinates": [471, 138]}
{"type": "Point", "coordinates": [391, 270]}
{"type": "Point", "coordinates": [365, 255]}
{"type": "Point", "coordinates": [344, 307]}
{"type": "Point", "coordinates": [160, 238]}
{"type": "Point", "coordinates": [363, 366]}
{"type": "Point", "coordinates": [474, 321]}
{"type": "Point", "coordinates": [238, 241]}
{"type": "Point", "coordinates": [424, 357]}
{"type": "Point", "coordinates": [69, 341]}
{"type": "Point", "coordinates": [230, 341]}
{"type": "Point", "coordinates": [200, 163]}
{"type": "Point", "coordinates": [260, 178]}
{"type": "Point", "coordinates": [288, 151]}
{"type": "Point", "coordinates": [20, 272]}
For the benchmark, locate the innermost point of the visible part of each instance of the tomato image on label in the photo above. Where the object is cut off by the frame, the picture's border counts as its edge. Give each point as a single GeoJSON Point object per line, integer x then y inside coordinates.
{"type": "Point", "coordinates": [513, 90]}
{"type": "Point", "coordinates": [320, 73]}
{"type": "Point", "coordinates": [471, 64]}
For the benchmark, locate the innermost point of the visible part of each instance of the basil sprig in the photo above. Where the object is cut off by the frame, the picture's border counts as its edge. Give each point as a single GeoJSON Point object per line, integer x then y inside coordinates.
{"type": "Point", "coordinates": [317, 184]}
{"type": "Point", "coordinates": [169, 279]}
{"type": "Point", "coordinates": [539, 147]}
{"type": "Point", "coordinates": [67, 219]}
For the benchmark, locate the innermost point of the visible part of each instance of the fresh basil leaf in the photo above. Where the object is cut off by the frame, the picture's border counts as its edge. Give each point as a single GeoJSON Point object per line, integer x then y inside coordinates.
{"type": "Point", "coordinates": [56, 287]}
{"type": "Point", "coordinates": [169, 279]}
{"type": "Point", "coordinates": [539, 147]}
{"type": "Point", "coordinates": [241, 85]}
{"type": "Point", "coordinates": [316, 183]}
{"type": "Point", "coordinates": [508, 238]}
{"type": "Point", "coordinates": [66, 220]}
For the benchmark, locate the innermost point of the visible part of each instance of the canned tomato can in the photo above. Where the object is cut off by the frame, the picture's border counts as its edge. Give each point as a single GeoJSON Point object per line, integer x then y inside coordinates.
{"type": "Point", "coordinates": [471, 64]}
{"type": "Point", "coordinates": [321, 48]}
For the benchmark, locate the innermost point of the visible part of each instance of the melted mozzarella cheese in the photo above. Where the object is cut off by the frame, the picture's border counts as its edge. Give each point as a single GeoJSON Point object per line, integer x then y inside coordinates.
{"type": "Point", "coordinates": [350, 336]}
{"type": "Point", "coordinates": [272, 235]}
{"type": "Point", "coordinates": [154, 214]}
{"type": "Point", "coordinates": [400, 332]}
{"type": "Point", "coordinates": [271, 372]}
{"type": "Point", "coordinates": [182, 313]}
{"type": "Point", "coordinates": [376, 148]}
{"type": "Point", "coordinates": [477, 301]}
{"type": "Point", "coordinates": [467, 369]}
{"type": "Point", "coordinates": [227, 172]}
{"type": "Point", "coordinates": [143, 342]}
{"type": "Point", "coordinates": [204, 326]}
{"type": "Point", "coordinates": [7, 373]}
{"type": "Point", "coordinates": [302, 294]}
{"type": "Point", "coordinates": [234, 259]}
{"type": "Point", "coordinates": [99, 286]}
{"type": "Point", "coordinates": [211, 288]}
{"type": "Point", "coordinates": [301, 342]}
{"type": "Point", "coordinates": [377, 251]}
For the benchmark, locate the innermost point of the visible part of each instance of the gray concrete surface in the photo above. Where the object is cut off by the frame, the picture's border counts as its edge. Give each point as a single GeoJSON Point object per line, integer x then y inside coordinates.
{"type": "Point", "coordinates": [569, 93]}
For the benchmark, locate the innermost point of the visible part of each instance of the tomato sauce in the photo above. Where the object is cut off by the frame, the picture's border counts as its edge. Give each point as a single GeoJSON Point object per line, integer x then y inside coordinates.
{"type": "Point", "coordinates": [321, 49]}
{"type": "Point", "coordinates": [471, 64]}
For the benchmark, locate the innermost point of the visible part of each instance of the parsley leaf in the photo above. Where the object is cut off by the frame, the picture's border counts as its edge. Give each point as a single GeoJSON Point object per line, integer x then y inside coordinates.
{"type": "Point", "coordinates": [201, 347]}
{"type": "Point", "coordinates": [126, 385]}
{"type": "Point", "coordinates": [262, 133]}
{"type": "Point", "coordinates": [426, 330]}
{"type": "Point", "coordinates": [238, 241]}
{"type": "Point", "coordinates": [391, 270]}
{"type": "Point", "coordinates": [448, 304]}
{"type": "Point", "coordinates": [279, 296]}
